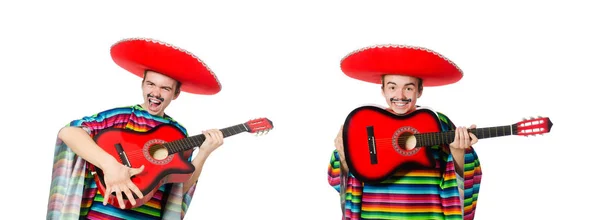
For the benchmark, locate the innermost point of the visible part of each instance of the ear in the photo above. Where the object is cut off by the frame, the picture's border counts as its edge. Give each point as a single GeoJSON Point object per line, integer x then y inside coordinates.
{"type": "Point", "coordinates": [419, 94]}
{"type": "Point", "coordinates": [176, 95]}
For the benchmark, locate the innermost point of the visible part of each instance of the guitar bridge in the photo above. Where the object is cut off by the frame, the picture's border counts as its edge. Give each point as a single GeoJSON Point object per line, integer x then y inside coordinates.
{"type": "Point", "coordinates": [122, 155]}
{"type": "Point", "coordinates": [372, 147]}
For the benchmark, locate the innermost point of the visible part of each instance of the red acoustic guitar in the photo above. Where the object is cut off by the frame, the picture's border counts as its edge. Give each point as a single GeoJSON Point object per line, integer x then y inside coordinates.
{"type": "Point", "coordinates": [377, 143]}
{"type": "Point", "coordinates": [163, 151]}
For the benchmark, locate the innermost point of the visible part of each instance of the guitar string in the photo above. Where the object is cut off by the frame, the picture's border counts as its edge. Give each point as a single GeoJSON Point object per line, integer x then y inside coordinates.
{"type": "Point", "coordinates": [433, 137]}
{"type": "Point", "coordinates": [140, 153]}
{"type": "Point", "coordinates": [175, 146]}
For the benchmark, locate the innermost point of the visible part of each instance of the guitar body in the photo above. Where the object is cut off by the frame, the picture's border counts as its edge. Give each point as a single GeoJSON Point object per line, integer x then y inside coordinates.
{"type": "Point", "coordinates": [375, 142]}
{"type": "Point", "coordinates": [144, 148]}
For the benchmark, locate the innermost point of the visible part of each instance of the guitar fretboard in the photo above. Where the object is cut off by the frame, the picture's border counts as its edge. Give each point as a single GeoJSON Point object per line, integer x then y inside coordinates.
{"type": "Point", "coordinates": [447, 137]}
{"type": "Point", "coordinates": [197, 140]}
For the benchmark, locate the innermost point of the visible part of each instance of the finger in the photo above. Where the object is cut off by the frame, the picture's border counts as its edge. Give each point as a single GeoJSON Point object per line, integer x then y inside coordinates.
{"type": "Point", "coordinates": [135, 189]}
{"type": "Point", "coordinates": [461, 137]}
{"type": "Point", "coordinates": [473, 126]}
{"type": "Point", "coordinates": [120, 198]}
{"type": "Point", "coordinates": [473, 139]}
{"type": "Point", "coordinates": [218, 137]}
{"type": "Point", "coordinates": [136, 171]}
{"type": "Point", "coordinates": [129, 196]}
{"type": "Point", "coordinates": [208, 137]}
{"type": "Point", "coordinates": [219, 134]}
{"type": "Point", "coordinates": [457, 135]}
{"type": "Point", "coordinates": [467, 138]}
{"type": "Point", "coordinates": [107, 193]}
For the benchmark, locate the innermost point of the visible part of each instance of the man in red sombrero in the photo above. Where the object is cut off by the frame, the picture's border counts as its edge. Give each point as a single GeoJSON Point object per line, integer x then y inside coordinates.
{"type": "Point", "coordinates": [446, 190]}
{"type": "Point", "coordinates": [165, 71]}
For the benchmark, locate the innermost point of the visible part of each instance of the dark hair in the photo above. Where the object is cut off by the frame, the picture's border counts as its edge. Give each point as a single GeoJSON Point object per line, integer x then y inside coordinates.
{"type": "Point", "coordinates": [177, 86]}
{"type": "Point", "coordinates": [419, 84]}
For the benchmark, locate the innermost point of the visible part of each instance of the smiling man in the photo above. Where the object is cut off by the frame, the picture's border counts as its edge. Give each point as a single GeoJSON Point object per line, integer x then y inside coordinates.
{"type": "Point", "coordinates": [165, 71]}
{"type": "Point", "coordinates": [449, 189]}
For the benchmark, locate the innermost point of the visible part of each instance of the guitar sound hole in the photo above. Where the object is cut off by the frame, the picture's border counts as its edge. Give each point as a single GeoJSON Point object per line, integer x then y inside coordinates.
{"type": "Point", "coordinates": [158, 152]}
{"type": "Point", "coordinates": [407, 141]}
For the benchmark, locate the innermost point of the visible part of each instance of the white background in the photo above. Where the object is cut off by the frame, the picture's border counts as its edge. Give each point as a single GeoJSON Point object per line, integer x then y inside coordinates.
{"type": "Point", "coordinates": [281, 61]}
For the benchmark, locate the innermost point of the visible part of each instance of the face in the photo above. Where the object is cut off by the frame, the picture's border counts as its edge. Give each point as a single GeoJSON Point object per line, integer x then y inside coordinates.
{"type": "Point", "coordinates": [397, 90]}
{"type": "Point", "coordinates": [158, 91]}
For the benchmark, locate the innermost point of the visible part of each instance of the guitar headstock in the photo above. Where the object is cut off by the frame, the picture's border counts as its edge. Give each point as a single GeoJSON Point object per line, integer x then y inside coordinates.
{"type": "Point", "coordinates": [259, 126]}
{"type": "Point", "coordinates": [533, 126]}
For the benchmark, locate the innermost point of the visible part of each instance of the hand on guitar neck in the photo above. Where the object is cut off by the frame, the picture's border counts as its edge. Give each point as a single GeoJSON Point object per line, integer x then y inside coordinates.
{"type": "Point", "coordinates": [463, 139]}
{"type": "Point", "coordinates": [214, 139]}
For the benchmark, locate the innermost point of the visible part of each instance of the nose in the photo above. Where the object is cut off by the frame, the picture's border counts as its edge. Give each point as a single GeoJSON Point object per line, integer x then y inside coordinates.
{"type": "Point", "coordinates": [154, 92]}
{"type": "Point", "coordinates": [401, 94]}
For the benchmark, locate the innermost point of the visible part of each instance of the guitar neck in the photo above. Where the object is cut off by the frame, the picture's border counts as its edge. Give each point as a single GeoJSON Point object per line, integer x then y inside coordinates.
{"type": "Point", "coordinates": [447, 137]}
{"type": "Point", "coordinates": [197, 140]}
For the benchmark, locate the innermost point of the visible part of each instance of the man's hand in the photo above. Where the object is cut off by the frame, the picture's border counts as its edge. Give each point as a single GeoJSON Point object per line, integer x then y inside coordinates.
{"type": "Point", "coordinates": [463, 139]}
{"type": "Point", "coordinates": [339, 146]}
{"type": "Point", "coordinates": [117, 178]}
{"type": "Point", "coordinates": [214, 139]}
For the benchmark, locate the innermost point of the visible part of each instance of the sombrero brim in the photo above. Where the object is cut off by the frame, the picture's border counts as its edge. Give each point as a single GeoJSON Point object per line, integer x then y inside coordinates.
{"type": "Point", "coordinates": [137, 55]}
{"type": "Point", "coordinates": [370, 63]}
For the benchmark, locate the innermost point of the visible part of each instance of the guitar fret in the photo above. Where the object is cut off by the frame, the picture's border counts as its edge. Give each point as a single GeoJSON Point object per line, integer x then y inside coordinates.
{"type": "Point", "coordinates": [189, 143]}
{"type": "Point", "coordinates": [182, 145]}
{"type": "Point", "coordinates": [195, 142]}
{"type": "Point", "coordinates": [429, 140]}
{"type": "Point", "coordinates": [227, 132]}
{"type": "Point", "coordinates": [175, 147]}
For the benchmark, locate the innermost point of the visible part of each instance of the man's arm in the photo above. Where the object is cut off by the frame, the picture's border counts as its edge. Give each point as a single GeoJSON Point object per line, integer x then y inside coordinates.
{"type": "Point", "coordinates": [462, 140]}
{"type": "Point", "coordinates": [84, 146]}
{"type": "Point", "coordinates": [214, 139]}
{"type": "Point", "coordinates": [338, 168]}
{"type": "Point", "coordinates": [78, 134]}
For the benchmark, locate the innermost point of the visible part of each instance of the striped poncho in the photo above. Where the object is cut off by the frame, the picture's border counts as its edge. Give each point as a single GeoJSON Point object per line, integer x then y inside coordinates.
{"type": "Point", "coordinates": [416, 194]}
{"type": "Point", "coordinates": [73, 192]}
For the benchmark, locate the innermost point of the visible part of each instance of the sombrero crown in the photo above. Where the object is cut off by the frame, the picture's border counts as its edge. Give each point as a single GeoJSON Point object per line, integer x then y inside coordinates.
{"type": "Point", "coordinates": [137, 55]}
{"type": "Point", "coordinates": [370, 63]}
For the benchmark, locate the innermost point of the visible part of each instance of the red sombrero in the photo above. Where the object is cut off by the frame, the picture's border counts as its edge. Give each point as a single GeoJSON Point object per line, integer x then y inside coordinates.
{"type": "Point", "coordinates": [370, 63]}
{"type": "Point", "coordinates": [137, 55]}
